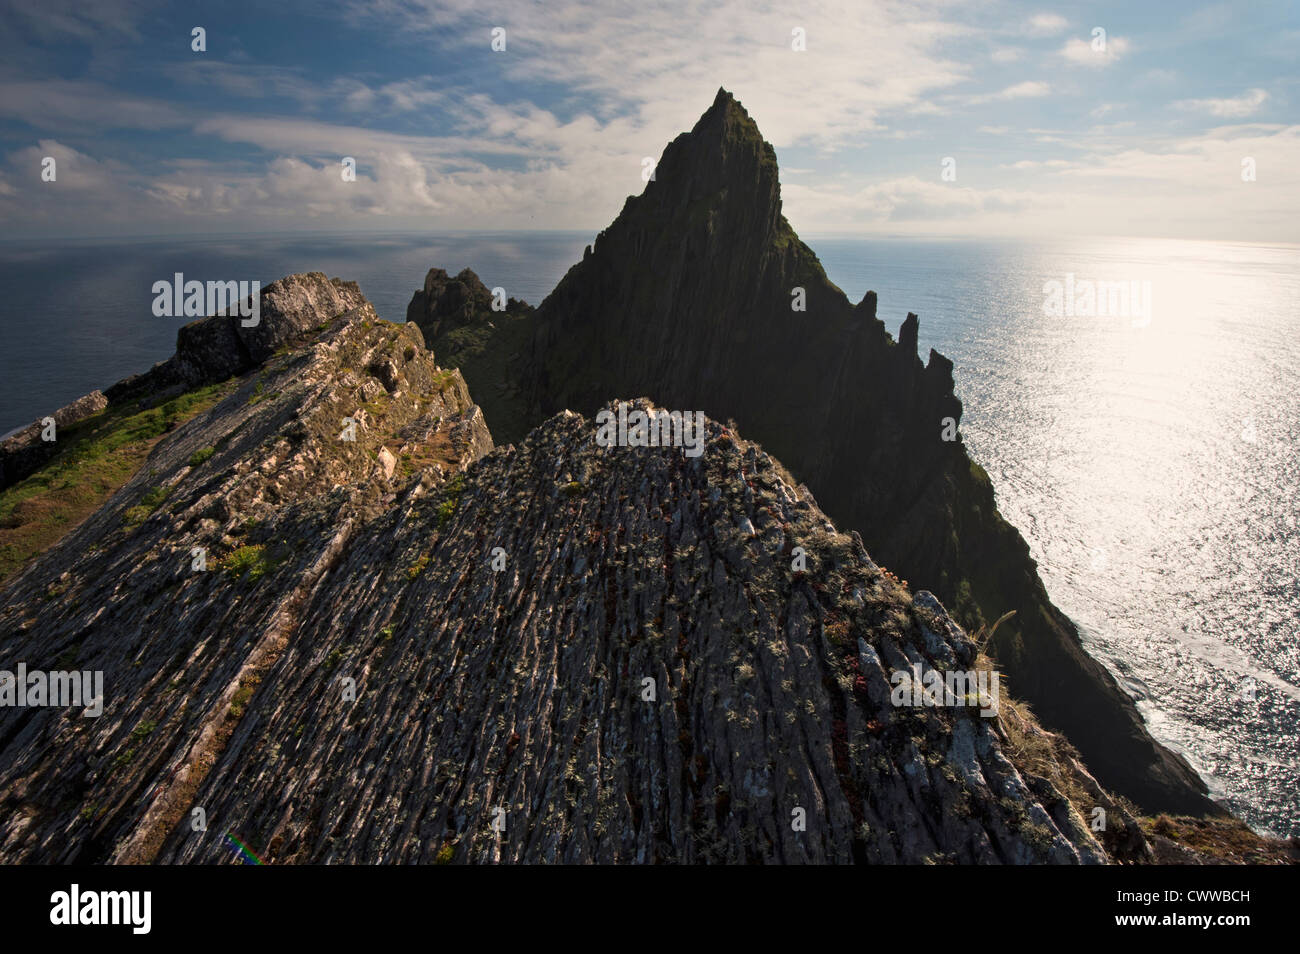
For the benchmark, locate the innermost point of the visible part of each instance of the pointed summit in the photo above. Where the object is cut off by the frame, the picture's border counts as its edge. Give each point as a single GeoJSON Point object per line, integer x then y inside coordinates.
{"type": "Point", "coordinates": [727, 109]}
{"type": "Point", "coordinates": [723, 157]}
{"type": "Point", "coordinates": [705, 252]}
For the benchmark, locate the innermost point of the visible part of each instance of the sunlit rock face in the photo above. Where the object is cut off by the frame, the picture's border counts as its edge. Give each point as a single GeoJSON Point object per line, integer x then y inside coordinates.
{"type": "Point", "coordinates": [185, 587]}
{"type": "Point", "coordinates": [701, 295]}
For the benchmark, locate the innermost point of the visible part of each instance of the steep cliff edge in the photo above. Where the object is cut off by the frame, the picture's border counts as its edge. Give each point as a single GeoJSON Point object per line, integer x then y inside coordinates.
{"type": "Point", "coordinates": [687, 297]}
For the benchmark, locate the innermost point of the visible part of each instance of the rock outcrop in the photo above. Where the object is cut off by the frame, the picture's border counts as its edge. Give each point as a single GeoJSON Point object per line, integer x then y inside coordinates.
{"type": "Point", "coordinates": [25, 451]}
{"type": "Point", "coordinates": [335, 624]}
{"type": "Point", "coordinates": [446, 303]}
{"type": "Point", "coordinates": [701, 296]}
{"type": "Point", "coordinates": [216, 347]}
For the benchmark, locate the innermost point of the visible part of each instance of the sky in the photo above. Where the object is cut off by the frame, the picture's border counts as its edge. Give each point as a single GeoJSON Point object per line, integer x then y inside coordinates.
{"type": "Point", "coordinates": [1161, 119]}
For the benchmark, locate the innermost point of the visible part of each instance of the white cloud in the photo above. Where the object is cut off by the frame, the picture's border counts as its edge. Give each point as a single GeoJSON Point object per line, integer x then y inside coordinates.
{"type": "Point", "coordinates": [1046, 24]}
{"type": "Point", "coordinates": [1092, 53]}
{"type": "Point", "coordinates": [1124, 189]}
{"type": "Point", "coordinates": [907, 200]}
{"type": "Point", "coordinates": [1029, 89]}
{"type": "Point", "coordinates": [1236, 107]}
{"type": "Point", "coordinates": [1025, 90]}
{"type": "Point", "coordinates": [1025, 164]}
{"type": "Point", "coordinates": [84, 105]}
{"type": "Point", "coordinates": [661, 64]}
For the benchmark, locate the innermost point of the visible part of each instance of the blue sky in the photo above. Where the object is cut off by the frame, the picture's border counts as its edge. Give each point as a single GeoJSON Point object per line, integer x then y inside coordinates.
{"type": "Point", "coordinates": [1051, 135]}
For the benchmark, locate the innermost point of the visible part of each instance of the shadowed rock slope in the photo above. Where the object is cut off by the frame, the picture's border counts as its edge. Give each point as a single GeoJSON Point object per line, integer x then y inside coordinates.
{"type": "Point", "coordinates": [687, 297]}
{"type": "Point", "coordinates": [399, 639]}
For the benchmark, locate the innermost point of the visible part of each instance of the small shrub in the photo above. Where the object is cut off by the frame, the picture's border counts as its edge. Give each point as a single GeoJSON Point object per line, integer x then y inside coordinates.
{"type": "Point", "coordinates": [416, 568]}
{"type": "Point", "coordinates": [200, 455]}
{"type": "Point", "coordinates": [249, 560]}
{"type": "Point", "coordinates": [240, 700]}
{"type": "Point", "coordinates": [150, 502]}
{"type": "Point", "coordinates": [447, 508]}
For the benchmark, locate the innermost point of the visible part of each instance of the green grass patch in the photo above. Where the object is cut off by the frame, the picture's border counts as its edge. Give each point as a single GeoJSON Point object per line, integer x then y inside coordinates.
{"type": "Point", "coordinates": [201, 455]}
{"type": "Point", "coordinates": [138, 735]}
{"type": "Point", "coordinates": [250, 560]}
{"type": "Point", "coordinates": [444, 379]}
{"type": "Point", "coordinates": [447, 509]}
{"type": "Point", "coordinates": [94, 459]}
{"type": "Point", "coordinates": [240, 700]}
{"type": "Point", "coordinates": [150, 502]}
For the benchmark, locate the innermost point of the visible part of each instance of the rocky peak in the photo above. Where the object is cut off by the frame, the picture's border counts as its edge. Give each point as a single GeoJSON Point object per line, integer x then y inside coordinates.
{"type": "Point", "coordinates": [723, 157]}
{"type": "Point", "coordinates": [445, 303]}
{"type": "Point", "coordinates": [186, 586]}
{"type": "Point", "coordinates": [456, 300]}
{"type": "Point", "coordinates": [211, 349]}
{"type": "Point", "coordinates": [701, 296]}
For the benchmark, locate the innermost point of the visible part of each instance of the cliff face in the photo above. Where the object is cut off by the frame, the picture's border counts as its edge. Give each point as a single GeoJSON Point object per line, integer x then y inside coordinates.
{"type": "Point", "coordinates": [410, 647]}
{"type": "Point", "coordinates": [689, 296]}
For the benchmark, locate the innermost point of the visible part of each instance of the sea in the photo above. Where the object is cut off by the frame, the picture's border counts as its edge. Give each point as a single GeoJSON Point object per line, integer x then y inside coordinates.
{"type": "Point", "coordinates": [1135, 402]}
